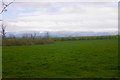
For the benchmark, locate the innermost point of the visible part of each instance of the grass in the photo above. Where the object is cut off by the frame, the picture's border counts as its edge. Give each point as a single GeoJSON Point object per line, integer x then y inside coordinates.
{"type": "Point", "coordinates": [67, 59]}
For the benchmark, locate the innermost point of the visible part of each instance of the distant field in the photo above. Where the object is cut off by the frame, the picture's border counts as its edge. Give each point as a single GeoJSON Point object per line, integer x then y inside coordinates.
{"type": "Point", "coordinates": [68, 59]}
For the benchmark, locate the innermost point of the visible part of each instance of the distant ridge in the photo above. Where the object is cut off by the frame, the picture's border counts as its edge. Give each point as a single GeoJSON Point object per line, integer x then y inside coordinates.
{"type": "Point", "coordinates": [62, 33]}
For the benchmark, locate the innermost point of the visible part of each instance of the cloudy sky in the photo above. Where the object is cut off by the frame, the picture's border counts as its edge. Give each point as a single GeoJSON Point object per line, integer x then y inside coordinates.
{"type": "Point", "coordinates": [62, 16]}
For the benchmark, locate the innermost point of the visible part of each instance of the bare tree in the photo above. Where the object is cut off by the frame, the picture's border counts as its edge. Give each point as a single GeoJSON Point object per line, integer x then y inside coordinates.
{"type": "Point", "coordinates": [3, 32]}
{"type": "Point", "coordinates": [33, 36]}
{"type": "Point", "coordinates": [25, 35]}
{"type": "Point", "coordinates": [4, 6]}
{"type": "Point", "coordinates": [47, 35]}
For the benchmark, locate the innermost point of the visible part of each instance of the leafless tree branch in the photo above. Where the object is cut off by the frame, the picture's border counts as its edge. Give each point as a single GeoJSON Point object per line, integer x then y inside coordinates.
{"type": "Point", "coordinates": [5, 6]}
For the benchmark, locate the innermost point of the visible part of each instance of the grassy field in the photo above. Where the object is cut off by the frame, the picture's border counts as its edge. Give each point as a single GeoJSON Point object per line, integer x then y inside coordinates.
{"type": "Point", "coordinates": [68, 59]}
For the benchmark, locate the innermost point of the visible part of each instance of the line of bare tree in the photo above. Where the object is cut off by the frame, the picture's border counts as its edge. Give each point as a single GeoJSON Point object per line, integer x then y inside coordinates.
{"type": "Point", "coordinates": [35, 35]}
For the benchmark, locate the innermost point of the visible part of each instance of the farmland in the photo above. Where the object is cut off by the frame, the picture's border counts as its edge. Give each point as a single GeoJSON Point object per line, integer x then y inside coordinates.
{"type": "Point", "coordinates": [63, 59]}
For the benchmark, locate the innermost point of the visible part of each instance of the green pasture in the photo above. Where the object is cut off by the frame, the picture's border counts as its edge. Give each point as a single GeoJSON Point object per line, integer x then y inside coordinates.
{"type": "Point", "coordinates": [66, 59]}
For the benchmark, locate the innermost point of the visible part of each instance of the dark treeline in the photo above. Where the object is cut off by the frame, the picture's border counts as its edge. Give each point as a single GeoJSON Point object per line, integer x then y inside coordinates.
{"type": "Point", "coordinates": [47, 40]}
{"type": "Point", "coordinates": [86, 38]}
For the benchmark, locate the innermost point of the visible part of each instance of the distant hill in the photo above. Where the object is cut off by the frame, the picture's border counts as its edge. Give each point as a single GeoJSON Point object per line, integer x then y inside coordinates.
{"type": "Point", "coordinates": [61, 33]}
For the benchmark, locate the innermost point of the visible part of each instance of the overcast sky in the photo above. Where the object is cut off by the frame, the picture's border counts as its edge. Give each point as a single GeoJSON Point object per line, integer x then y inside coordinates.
{"type": "Point", "coordinates": [62, 16]}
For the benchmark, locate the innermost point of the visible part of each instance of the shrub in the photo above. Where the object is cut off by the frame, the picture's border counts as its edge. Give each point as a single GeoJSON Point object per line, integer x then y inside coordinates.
{"type": "Point", "coordinates": [25, 41]}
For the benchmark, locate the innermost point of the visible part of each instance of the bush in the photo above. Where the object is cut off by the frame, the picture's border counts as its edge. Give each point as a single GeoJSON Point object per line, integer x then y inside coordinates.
{"type": "Point", "coordinates": [25, 41]}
